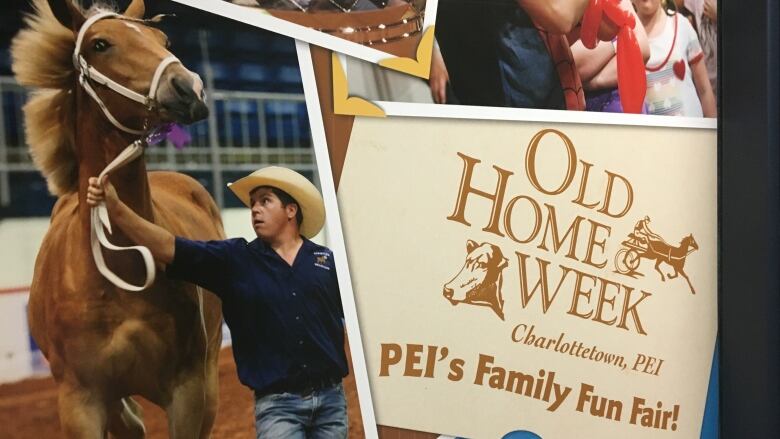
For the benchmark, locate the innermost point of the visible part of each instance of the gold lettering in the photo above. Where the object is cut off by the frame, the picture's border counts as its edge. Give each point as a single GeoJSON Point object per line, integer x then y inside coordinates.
{"type": "Point", "coordinates": [497, 197]}
{"type": "Point", "coordinates": [530, 162]}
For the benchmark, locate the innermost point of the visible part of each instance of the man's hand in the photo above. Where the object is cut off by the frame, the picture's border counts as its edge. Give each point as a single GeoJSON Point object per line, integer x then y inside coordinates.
{"type": "Point", "coordinates": [159, 241]}
{"type": "Point", "coordinates": [101, 191]}
{"type": "Point", "coordinates": [711, 10]}
{"type": "Point", "coordinates": [439, 77]}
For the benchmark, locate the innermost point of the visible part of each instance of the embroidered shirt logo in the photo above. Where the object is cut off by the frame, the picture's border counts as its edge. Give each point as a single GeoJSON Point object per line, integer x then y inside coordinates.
{"type": "Point", "coordinates": [321, 260]}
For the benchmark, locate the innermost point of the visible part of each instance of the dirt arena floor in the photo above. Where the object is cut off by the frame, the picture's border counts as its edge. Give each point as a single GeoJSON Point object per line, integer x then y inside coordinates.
{"type": "Point", "coordinates": [28, 409]}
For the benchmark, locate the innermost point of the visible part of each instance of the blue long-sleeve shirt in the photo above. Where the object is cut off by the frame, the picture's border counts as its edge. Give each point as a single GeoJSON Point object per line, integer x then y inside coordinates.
{"type": "Point", "coordinates": [285, 321]}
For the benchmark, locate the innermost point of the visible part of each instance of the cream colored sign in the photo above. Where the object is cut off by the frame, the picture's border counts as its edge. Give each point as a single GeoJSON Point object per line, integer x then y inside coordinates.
{"type": "Point", "coordinates": [555, 278]}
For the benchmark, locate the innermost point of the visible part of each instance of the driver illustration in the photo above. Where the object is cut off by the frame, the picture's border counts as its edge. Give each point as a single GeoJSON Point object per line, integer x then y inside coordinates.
{"type": "Point", "coordinates": [642, 232]}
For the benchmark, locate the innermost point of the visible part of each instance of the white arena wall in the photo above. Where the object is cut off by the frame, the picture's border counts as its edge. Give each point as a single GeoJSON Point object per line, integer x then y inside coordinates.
{"type": "Point", "coordinates": [20, 239]}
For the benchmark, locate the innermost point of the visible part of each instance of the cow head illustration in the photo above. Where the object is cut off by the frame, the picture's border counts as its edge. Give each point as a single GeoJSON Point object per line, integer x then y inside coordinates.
{"type": "Point", "coordinates": [479, 280]}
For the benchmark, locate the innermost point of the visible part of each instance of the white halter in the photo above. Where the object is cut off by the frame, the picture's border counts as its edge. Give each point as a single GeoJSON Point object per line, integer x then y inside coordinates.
{"type": "Point", "coordinates": [87, 73]}
{"type": "Point", "coordinates": [99, 214]}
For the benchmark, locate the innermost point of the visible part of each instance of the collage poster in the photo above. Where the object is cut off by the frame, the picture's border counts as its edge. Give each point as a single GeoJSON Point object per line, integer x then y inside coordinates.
{"type": "Point", "coordinates": [356, 210]}
{"type": "Point", "coordinates": [512, 268]}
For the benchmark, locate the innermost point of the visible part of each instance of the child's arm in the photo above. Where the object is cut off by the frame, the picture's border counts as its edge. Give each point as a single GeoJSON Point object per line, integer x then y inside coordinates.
{"type": "Point", "coordinates": [598, 67]}
{"type": "Point", "coordinates": [702, 82]}
{"type": "Point", "coordinates": [563, 16]}
{"type": "Point", "coordinates": [590, 62]}
{"type": "Point", "coordinates": [606, 78]}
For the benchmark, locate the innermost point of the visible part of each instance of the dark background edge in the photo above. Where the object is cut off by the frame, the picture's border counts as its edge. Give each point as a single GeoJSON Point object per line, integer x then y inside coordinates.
{"type": "Point", "coordinates": [749, 175]}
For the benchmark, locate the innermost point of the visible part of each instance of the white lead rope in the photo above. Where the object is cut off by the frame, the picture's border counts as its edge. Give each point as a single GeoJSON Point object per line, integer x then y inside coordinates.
{"type": "Point", "coordinates": [100, 223]}
{"type": "Point", "coordinates": [98, 240]}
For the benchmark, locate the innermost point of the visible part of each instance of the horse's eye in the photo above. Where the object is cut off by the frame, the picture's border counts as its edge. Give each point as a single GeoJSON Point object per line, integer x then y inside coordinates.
{"type": "Point", "coordinates": [167, 43]}
{"type": "Point", "coordinates": [101, 45]}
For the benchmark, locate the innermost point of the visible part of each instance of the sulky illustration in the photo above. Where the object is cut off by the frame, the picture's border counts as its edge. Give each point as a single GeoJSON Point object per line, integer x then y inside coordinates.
{"type": "Point", "coordinates": [643, 243]}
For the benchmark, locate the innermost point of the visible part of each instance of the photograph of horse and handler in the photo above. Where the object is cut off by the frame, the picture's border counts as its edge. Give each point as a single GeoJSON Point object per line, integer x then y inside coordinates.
{"type": "Point", "coordinates": [130, 351]}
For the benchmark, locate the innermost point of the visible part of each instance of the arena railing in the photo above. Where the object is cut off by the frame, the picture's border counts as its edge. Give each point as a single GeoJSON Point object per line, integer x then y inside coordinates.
{"type": "Point", "coordinates": [244, 131]}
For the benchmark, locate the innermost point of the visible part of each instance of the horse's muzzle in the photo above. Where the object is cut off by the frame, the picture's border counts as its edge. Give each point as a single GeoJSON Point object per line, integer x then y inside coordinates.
{"type": "Point", "coordinates": [181, 97]}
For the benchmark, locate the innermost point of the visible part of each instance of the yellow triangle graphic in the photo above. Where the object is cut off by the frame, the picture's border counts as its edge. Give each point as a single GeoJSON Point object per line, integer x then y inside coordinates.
{"type": "Point", "coordinates": [345, 104]}
{"type": "Point", "coordinates": [422, 65]}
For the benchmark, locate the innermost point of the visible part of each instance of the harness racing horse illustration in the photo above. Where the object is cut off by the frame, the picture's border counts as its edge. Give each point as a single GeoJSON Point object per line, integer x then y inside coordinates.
{"type": "Point", "coordinates": [673, 256]}
{"type": "Point", "coordinates": [628, 258]}
{"type": "Point", "coordinates": [103, 80]}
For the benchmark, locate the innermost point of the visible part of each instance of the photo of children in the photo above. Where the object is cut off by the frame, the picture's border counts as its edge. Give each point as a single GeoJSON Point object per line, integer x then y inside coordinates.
{"type": "Point", "coordinates": [530, 54]}
{"type": "Point", "coordinates": [122, 126]}
{"type": "Point", "coordinates": [513, 56]}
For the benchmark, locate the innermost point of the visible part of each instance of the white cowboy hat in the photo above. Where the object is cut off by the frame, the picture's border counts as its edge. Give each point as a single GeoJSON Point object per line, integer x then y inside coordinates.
{"type": "Point", "coordinates": [299, 187]}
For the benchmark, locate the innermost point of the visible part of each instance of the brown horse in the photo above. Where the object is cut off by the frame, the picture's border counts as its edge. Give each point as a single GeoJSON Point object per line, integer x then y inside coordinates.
{"type": "Point", "coordinates": [105, 344]}
{"type": "Point", "coordinates": [673, 256]}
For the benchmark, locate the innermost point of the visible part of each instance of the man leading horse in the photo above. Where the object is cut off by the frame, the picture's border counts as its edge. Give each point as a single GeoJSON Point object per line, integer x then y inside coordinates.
{"type": "Point", "coordinates": [280, 298]}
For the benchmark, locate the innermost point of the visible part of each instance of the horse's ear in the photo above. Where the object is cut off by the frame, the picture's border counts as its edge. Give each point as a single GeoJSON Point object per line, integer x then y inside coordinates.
{"type": "Point", "coordinates": [471, 245]}
{"type": "Point", "coordinates": [137, 9]}
{"type": "Point", "coordinates": [67, 13]}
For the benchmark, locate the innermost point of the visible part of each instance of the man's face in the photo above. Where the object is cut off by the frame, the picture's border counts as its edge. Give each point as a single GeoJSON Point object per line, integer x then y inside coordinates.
{"type": "Point", "coordinates": [269, 215]}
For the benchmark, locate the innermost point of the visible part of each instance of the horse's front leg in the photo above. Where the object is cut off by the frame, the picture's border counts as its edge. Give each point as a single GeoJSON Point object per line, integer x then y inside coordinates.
{"type": "Point", "coordinates": [689, 281]}
{"type": "Point", "coordinates": [675, 274]}
{"type": "Point", "coordinates": [658, 269]}
{"type": "Point", "coordinates": [82, 412]}
{"type": "Point", "coordinates": [193, 405]}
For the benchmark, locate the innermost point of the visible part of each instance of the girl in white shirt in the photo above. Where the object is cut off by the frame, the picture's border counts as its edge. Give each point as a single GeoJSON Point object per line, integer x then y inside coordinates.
{"type": "Point", "coordinates": [677, 81]}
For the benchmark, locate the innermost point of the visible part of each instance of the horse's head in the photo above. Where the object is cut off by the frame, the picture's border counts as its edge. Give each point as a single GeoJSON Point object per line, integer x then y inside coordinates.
{"type": "Point", "coordinates": [690, 242]}
{"type": "Point", "coordinates": [125, 49]}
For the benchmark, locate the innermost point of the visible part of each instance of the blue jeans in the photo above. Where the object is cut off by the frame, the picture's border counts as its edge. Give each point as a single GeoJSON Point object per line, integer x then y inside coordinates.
{"type": "Point", "coordinates": [320, 415]}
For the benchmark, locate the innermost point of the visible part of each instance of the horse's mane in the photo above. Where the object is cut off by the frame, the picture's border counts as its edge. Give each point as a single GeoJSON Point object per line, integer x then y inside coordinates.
{"type": "Point", "coordinates": [41, 55]}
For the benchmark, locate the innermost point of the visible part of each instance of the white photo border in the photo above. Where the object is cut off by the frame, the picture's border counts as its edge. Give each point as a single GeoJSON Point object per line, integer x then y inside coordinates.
{"type": "Point", "coordinates": [334, 231]}
{"type": "Point", "coordinates": [476, 112]}
{"type": "Point", "coordinates": [444, 111]}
